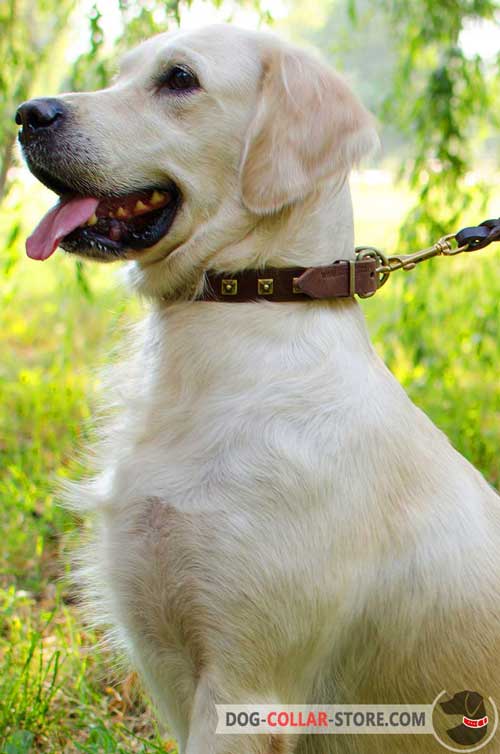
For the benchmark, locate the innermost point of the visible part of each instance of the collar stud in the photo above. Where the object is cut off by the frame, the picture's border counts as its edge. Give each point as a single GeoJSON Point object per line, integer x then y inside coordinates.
{"type": "Point", "coordinates": [229, 287]}
{"type": "Point", "coordinates": [265, 286]}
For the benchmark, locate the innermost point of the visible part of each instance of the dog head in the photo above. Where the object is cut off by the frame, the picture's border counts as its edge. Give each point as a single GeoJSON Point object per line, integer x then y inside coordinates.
{"type": "Point", "coordinates": [201, 135]}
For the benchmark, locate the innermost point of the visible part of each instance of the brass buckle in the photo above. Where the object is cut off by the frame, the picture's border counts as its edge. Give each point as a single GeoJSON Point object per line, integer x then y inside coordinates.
{"type": "Point", "coordinates": [370, 252]}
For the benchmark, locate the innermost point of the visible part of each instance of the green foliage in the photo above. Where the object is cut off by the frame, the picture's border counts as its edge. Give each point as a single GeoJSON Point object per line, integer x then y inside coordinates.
{"type": "Point", "coordinates": [453, 98]}
{"type": "Point", "coordinates": [443, 100]}
{"type": "Point", "coordinates": [137, 22]}
{"type": "Point", "coordinates": [30, 34]}
{"type": "Point", "coordinates": [437, 105]}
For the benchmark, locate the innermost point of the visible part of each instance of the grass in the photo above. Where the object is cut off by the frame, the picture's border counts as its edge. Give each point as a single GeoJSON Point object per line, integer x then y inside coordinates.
{"type": "Point", "coordinates": [58, 689]}
{"type": "Point", "coordinates": [437, 328]}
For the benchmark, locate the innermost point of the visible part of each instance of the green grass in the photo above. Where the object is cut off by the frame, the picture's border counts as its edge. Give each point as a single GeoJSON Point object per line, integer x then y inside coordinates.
{"type": "Point", "coordinates": [58, 689]}
{"type": "Point", "coordinates": [436, 327]}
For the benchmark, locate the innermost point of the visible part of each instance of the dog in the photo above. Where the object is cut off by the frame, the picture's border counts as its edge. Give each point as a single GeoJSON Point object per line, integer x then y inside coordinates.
{"type": "Point", "coordinates": [276, 522]}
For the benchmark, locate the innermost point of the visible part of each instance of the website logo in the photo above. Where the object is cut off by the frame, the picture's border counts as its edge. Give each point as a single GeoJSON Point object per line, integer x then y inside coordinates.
{"type": "Point", "coordinates": [465, 721]}
{"type": "Point", "coordinates": [462, 722]}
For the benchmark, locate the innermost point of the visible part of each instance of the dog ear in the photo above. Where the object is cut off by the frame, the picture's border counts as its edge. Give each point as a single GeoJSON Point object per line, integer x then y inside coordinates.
{"type": "Point", "coordinates": [308, 126]}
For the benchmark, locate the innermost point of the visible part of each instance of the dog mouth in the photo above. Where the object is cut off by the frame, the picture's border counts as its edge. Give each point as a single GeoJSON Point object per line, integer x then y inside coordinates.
{"type": "Point", "coordinates": [105, 228]}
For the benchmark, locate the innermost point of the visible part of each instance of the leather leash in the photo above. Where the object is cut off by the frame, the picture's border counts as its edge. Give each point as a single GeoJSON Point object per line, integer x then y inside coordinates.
{"type": "Point", "coordinates": [362, 276]}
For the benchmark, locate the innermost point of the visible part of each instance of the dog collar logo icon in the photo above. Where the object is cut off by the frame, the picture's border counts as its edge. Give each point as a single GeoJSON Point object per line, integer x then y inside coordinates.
{"type": "Point", "coordinates": [475, 717]}
{"type": "Point", "coordinates": [474, 726]}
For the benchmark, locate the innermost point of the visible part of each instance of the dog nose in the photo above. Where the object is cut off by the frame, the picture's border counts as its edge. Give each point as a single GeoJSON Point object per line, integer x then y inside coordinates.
{"type": "Point", "coordinates": [40, 113]}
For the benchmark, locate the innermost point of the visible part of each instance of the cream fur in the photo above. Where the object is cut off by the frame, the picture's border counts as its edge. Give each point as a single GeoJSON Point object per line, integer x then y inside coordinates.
{"type": "Point", "coordinates": [275, 520]}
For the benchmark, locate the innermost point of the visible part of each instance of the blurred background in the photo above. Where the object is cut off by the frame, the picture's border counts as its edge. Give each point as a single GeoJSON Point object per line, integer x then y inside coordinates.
{"type": "Point", "coordinates": [430, 72]}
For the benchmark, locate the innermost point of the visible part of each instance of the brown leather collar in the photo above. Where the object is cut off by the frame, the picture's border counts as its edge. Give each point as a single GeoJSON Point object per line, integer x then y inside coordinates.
{"type": "Point", "coordinates": [341, 279]}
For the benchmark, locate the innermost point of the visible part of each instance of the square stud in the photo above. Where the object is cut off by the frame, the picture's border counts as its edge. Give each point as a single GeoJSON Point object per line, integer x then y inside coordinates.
{"type": "Point", "coordinates": [265, 286]}
{"type": "Point", "coordinates": [229, 287]}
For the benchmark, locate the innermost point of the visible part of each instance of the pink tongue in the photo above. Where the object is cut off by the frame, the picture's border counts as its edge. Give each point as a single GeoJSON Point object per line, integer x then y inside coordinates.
{"type": "Point", "coordinates": [57, 223]}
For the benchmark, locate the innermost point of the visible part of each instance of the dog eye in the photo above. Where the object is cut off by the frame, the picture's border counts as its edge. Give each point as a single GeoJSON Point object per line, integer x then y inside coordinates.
{"type": "Point", "coordinates": [180, 79]}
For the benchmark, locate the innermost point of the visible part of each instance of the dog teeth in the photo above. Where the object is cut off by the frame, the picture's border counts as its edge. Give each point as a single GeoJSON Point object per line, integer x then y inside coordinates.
{"type": "Point", "coordinates": [126, 212]}
{"type": "Point", "coordinates": [157, 198]}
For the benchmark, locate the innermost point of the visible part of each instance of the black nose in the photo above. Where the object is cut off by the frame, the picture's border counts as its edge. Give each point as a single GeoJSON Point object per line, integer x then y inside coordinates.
{"type": "Point", "coordinates": [40, 113]}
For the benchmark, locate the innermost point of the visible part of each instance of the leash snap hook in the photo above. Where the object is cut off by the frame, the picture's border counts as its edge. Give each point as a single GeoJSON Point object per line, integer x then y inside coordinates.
{"type": "Point", "coordinates": [407, 262]}
{"type": "Point", "coordinates": [447, 248]}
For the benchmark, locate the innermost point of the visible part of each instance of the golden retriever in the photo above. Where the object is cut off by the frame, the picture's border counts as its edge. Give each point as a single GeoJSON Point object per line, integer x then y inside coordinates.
{"type": "Point", "coordinates": [276, 522]}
